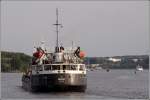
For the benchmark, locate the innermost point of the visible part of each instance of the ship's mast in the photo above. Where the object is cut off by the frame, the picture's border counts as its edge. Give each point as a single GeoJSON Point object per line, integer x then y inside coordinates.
{"type": "Point", "coordinates": [57, 26]}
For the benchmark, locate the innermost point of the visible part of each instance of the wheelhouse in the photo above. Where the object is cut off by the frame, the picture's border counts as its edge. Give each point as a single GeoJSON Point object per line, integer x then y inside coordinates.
{"type": "Point", "coordinates": [59, 68]}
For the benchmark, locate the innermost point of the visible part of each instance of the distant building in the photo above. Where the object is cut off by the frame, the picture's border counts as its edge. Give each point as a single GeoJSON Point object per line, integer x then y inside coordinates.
{"type": "Point", "coordinates": [92, 65]}
{"type": "Point", "coordinates": [135, 60]}
{"type": "Point", "coordinates": [114, 59]}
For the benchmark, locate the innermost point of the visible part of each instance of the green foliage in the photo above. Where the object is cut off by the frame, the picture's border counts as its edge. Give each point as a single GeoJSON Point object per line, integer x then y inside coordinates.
{"type": "Point", "coordinates": [6, 68]}
{"type": "Point", "coordinates": [11, 61]}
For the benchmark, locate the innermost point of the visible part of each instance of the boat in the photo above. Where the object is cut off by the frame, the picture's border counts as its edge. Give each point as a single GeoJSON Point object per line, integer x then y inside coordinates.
{"type": "Point", "coordinates": [62, 69]}
{"type": "Point", "coordinates": [139, 68]}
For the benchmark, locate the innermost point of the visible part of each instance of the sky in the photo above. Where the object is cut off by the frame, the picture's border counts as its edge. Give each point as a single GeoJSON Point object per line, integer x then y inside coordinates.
{"type": "Point", "coordinates": [100, 28]}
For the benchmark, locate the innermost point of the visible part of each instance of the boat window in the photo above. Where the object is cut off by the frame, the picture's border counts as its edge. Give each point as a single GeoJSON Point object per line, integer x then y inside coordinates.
{"type": "Point", "coordinates": [81, 67]}
{"type": "Point", "coordinates": [55, 67]}
{"type": "Point", "coordinates": [47, 67]}
{"type": "Point", "coordinates": [33, 67]}
{"type": "Point", "coordinates": [69, 67]}
{"type": "Point", "coordinates": [73, 67]}
{"type": "Point", "coordinates": [64, 67]}
{"type": "Point", "coordinates": [39, 68]}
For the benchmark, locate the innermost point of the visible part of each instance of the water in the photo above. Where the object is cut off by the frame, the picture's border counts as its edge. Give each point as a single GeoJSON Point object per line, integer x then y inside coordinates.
{"type": "Point", "coordinates": [115, 84]}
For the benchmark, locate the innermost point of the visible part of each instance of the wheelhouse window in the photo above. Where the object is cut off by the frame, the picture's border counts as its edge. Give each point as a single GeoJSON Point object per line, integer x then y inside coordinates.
{"type": "Point", "coordinates": [55, 67]}
{"type": "Point", "coordinates": [64, 67]}
{"type": "Point", "coordinates": [39, 68]}
{"type": "Point", "coordinates": [47, 67]}
{"type": "Point", "coordinates": [81, 67]}
{"type": "Point", "coordinates": [33, 67]}
{"type": "Point", "coordinates": [73, 67]}
{"type": "Point", "coordinates": [69, 67]}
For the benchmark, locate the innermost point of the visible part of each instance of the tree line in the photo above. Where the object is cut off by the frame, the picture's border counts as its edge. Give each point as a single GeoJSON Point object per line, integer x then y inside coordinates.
{"type": "Point", "coordinates": [14, 61]}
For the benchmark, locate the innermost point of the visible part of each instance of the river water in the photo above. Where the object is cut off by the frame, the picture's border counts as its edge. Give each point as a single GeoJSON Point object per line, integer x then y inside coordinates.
{"type": "Point", "coordinates": [116, 84]}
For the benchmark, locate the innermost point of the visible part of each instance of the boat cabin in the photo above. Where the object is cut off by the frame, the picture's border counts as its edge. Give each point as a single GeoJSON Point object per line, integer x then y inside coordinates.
{"type": "Point", "coordinates": [58, 68]}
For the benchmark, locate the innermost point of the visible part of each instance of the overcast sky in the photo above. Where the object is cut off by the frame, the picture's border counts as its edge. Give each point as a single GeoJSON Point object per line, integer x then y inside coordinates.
{"type": "Point", "coordinates": [104, 28]}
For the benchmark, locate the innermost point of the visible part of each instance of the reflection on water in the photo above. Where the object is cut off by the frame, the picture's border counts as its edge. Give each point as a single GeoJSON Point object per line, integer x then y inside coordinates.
{"type": "Point", "coordinates": [100, 85]}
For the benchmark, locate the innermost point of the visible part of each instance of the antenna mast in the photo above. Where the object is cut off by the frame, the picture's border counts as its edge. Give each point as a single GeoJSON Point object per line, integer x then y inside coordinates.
{"type": "Point", "coordinates": [57, 26]}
